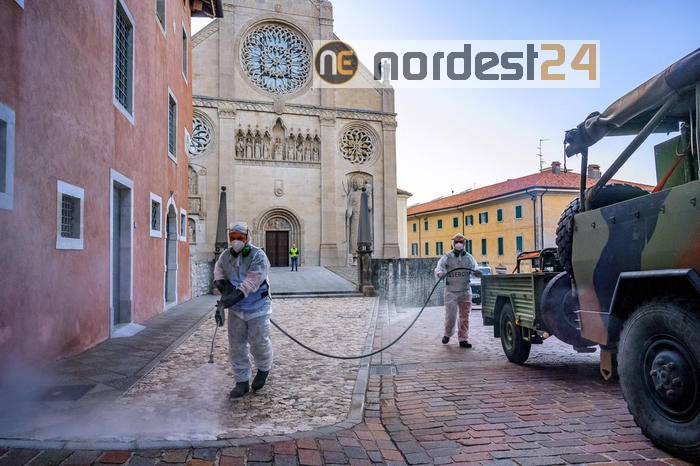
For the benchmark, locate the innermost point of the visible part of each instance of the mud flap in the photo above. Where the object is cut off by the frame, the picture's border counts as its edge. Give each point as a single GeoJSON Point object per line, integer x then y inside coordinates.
{"type": "Point", "coordinates": [607, 366]}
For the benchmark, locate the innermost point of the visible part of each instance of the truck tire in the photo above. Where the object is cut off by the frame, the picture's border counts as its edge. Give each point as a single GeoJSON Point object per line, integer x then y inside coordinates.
{"type": "Point", "coordinates": [558, 311]}
{"type": "Point", "coordinates": [516, 349]}
{"type": "Point", "coordinates": [659, 369]}
{"type": "Point", "coordinates": [607, 195]}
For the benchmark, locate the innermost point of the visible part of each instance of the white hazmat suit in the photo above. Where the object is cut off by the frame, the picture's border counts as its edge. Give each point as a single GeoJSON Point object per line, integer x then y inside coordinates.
{"type": "Point", "coordinates": [458, 294]}
{"type": "Point", "coordinates": [249, 319]}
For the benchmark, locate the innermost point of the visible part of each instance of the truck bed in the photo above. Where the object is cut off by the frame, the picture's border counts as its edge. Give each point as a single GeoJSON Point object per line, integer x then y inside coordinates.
{"type": "Point", "coordinates": [523, 290]}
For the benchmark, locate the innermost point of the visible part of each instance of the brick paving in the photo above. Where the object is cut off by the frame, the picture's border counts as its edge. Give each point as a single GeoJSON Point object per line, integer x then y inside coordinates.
{"type": "Point", "coordinates": [428, 403]}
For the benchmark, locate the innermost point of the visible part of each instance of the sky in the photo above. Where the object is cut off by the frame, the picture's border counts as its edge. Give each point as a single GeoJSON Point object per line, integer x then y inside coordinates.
{"type": "Point", "coordinates": [449, 140]}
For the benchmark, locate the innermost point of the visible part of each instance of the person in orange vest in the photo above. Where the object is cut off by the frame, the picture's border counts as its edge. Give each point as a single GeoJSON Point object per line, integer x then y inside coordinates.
{"type": "Point", "coordinates": [294, 255]}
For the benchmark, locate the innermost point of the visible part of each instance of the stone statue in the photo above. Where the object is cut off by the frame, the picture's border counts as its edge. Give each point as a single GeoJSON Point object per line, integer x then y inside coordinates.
{"type": "Point", "coordinates": [314, 154]}
{"type": "Point", "coordinates": [240, 146]}
{"type": "Point", "coordinates": [352, 216]}
{"type": "Point", "coordinates": [266, 149]}
{"type": "Point", "coordinates": [307, 148]}
{"type": "Point", "coordinates": [291, 147]}
{"type": "Point", "coordinates": [249, 146]}
{"type": "Point", "coordinates": [191, 230]}
{"type": "Point", "coordinates": [277, 149]}
{"type": "Point", "coordinates": [257, 146]}
{"type": "Point", "coordinates": [300, 147]}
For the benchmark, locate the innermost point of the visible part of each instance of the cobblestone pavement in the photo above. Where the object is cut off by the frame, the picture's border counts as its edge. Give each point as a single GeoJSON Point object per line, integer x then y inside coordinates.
{"type": "Point", "coordinates": [426, 403]}
{"type": "Point", "coordinates": [304, 391]}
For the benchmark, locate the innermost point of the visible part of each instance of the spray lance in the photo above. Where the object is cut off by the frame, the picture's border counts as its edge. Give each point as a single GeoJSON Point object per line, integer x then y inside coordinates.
{"type": "Point", "coordinates": [229, 297]}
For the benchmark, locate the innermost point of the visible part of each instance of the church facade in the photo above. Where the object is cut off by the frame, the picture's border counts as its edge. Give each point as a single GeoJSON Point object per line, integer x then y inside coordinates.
{"type": "Point", "coordinates": [291, 159]}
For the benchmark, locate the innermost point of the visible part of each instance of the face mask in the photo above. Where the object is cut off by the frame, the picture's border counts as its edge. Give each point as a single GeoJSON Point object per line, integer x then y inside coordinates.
{"type": "Point", "coordinates": [459, 246]}
{"type": "Point", "coordinates": [237, 245]}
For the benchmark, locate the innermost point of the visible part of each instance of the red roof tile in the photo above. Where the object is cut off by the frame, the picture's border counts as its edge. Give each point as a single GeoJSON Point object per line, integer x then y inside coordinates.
{"type": "Point", "coordinates": [545, 179]}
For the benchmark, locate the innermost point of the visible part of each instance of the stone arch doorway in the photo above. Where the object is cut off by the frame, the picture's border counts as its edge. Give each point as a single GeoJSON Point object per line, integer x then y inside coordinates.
{"type": "Point", "coordinates": [278, 230]}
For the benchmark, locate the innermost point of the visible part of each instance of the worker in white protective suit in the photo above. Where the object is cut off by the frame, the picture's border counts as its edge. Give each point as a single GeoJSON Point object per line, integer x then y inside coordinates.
{"type": "Point", "coordinates": [458, 293]}
{"type": "Point", "coordinates": [240, 274]}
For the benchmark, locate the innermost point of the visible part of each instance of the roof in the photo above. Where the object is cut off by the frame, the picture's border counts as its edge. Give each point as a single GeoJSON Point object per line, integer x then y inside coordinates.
{"type": "Point", "coordinates": [207, 9]}
{"type": "Point", "coordinates": [545, 179]}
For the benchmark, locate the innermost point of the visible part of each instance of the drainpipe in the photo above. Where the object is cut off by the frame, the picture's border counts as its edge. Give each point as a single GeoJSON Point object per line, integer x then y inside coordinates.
{"type": "Point", "coordinates": [419, 236]}
{"type": "Point", "coordinates": [533, 197]}
{"type": "Point", "coordinates": [542, 219]}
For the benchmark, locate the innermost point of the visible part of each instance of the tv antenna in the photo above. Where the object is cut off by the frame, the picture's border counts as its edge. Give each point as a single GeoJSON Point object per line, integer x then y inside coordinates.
{"type": "Point", "coordinates": [539, 153]}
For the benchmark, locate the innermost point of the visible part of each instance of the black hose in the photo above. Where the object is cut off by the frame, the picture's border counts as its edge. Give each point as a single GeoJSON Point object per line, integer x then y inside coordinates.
{"type": "Point", "coordinates": [321, 353]}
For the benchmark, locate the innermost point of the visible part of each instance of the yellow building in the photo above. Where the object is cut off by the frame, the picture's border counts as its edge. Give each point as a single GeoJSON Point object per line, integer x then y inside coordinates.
{"type": "Point", "coordinates": [499, 221]}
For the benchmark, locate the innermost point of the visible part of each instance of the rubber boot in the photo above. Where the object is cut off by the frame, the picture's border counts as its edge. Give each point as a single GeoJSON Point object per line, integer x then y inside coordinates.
{"type": "Point", "coordinates": [259, 380]}
{"type": "Point", "coordinates": [239, 390]}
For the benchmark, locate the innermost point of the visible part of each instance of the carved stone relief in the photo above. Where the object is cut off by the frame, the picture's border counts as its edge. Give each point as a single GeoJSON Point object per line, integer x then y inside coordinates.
{"type": "Point", "coordinates": [275, 145]}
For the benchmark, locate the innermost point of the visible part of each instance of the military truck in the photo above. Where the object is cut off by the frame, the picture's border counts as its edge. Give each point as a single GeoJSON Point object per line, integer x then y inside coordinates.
{"type": "Point", "coordinates": [630, 261]}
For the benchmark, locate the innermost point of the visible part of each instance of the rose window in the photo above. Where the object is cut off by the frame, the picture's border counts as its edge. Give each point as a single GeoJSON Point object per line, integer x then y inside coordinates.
{"type": "Point", "coordinates": [357, 145]}
{"type": "Point", "coordinates": [201, 136]}
{"type": "Point", "coordinates": [276, 58]}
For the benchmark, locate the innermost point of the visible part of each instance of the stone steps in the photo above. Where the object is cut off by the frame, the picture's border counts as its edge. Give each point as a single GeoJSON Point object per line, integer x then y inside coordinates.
{"type": "Point", "coordinates": [316, 294]}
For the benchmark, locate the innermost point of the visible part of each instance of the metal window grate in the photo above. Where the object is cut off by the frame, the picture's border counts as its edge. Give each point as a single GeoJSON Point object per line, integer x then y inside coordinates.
{"type": "Point", "coordinates": [172, 113]}
{"type": "Point", "coordinates": [70, 216]}
{"type": "Point", "coordinates": [122, 58]}
{"type": "Point", "coordinates": [155, 215]}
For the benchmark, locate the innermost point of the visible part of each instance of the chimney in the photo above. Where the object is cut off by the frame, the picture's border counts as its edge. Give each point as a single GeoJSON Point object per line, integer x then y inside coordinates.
{"type": "Point", "coordinates": [556, 167]}
{"type": "Point", "coordinates": [593, 172]}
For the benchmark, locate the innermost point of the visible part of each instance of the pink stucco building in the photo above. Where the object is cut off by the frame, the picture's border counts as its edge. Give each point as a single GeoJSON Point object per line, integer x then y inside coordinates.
{"type": "Point", "coordinates": [95, 115]}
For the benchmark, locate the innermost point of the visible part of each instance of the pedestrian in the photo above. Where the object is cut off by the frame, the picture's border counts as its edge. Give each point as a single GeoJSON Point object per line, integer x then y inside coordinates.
{"type": "Point", "coordinates": [240, 273]}
{"type": "Point", "coordinates": [294, 256]}
{"type": "Point", "coordinates": [458, 293]}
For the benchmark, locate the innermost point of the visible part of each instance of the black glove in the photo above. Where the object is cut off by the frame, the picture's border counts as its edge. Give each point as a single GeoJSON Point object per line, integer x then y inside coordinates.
{"type": "Point", "coordinates": [232, 297]}
{"type": "Point", "coordinates": [224, 286]}
{"type": "Point", "coordinates": [219, 315]}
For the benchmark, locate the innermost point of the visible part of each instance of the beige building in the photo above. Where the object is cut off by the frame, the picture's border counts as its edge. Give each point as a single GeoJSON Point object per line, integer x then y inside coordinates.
{"type": "Point", "coordinates": [293, 159]}
{"type": "Point", "coordinates": [501, 220]}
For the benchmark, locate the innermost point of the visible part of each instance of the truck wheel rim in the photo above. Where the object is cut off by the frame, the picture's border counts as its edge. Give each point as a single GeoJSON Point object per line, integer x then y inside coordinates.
{"type": "Point", "coordinates": [671, 377]}
{"type": "Point", "coordinates": [509, 332]}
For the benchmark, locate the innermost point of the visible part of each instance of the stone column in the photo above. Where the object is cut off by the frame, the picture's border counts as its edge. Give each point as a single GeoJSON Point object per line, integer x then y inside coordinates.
{"type": "Point", "coordinates": [329, 224]}
{"type": "Point", "coordinates": [391, 232]}
{"type": "Point", "coordinates": [228, 59]}
{"type": "Point", "coordinates": [227, 153]}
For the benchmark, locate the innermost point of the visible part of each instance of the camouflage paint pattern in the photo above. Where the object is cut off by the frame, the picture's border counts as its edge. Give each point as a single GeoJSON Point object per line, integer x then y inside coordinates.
{"type": "Point", "coordinates": [658, 231]}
